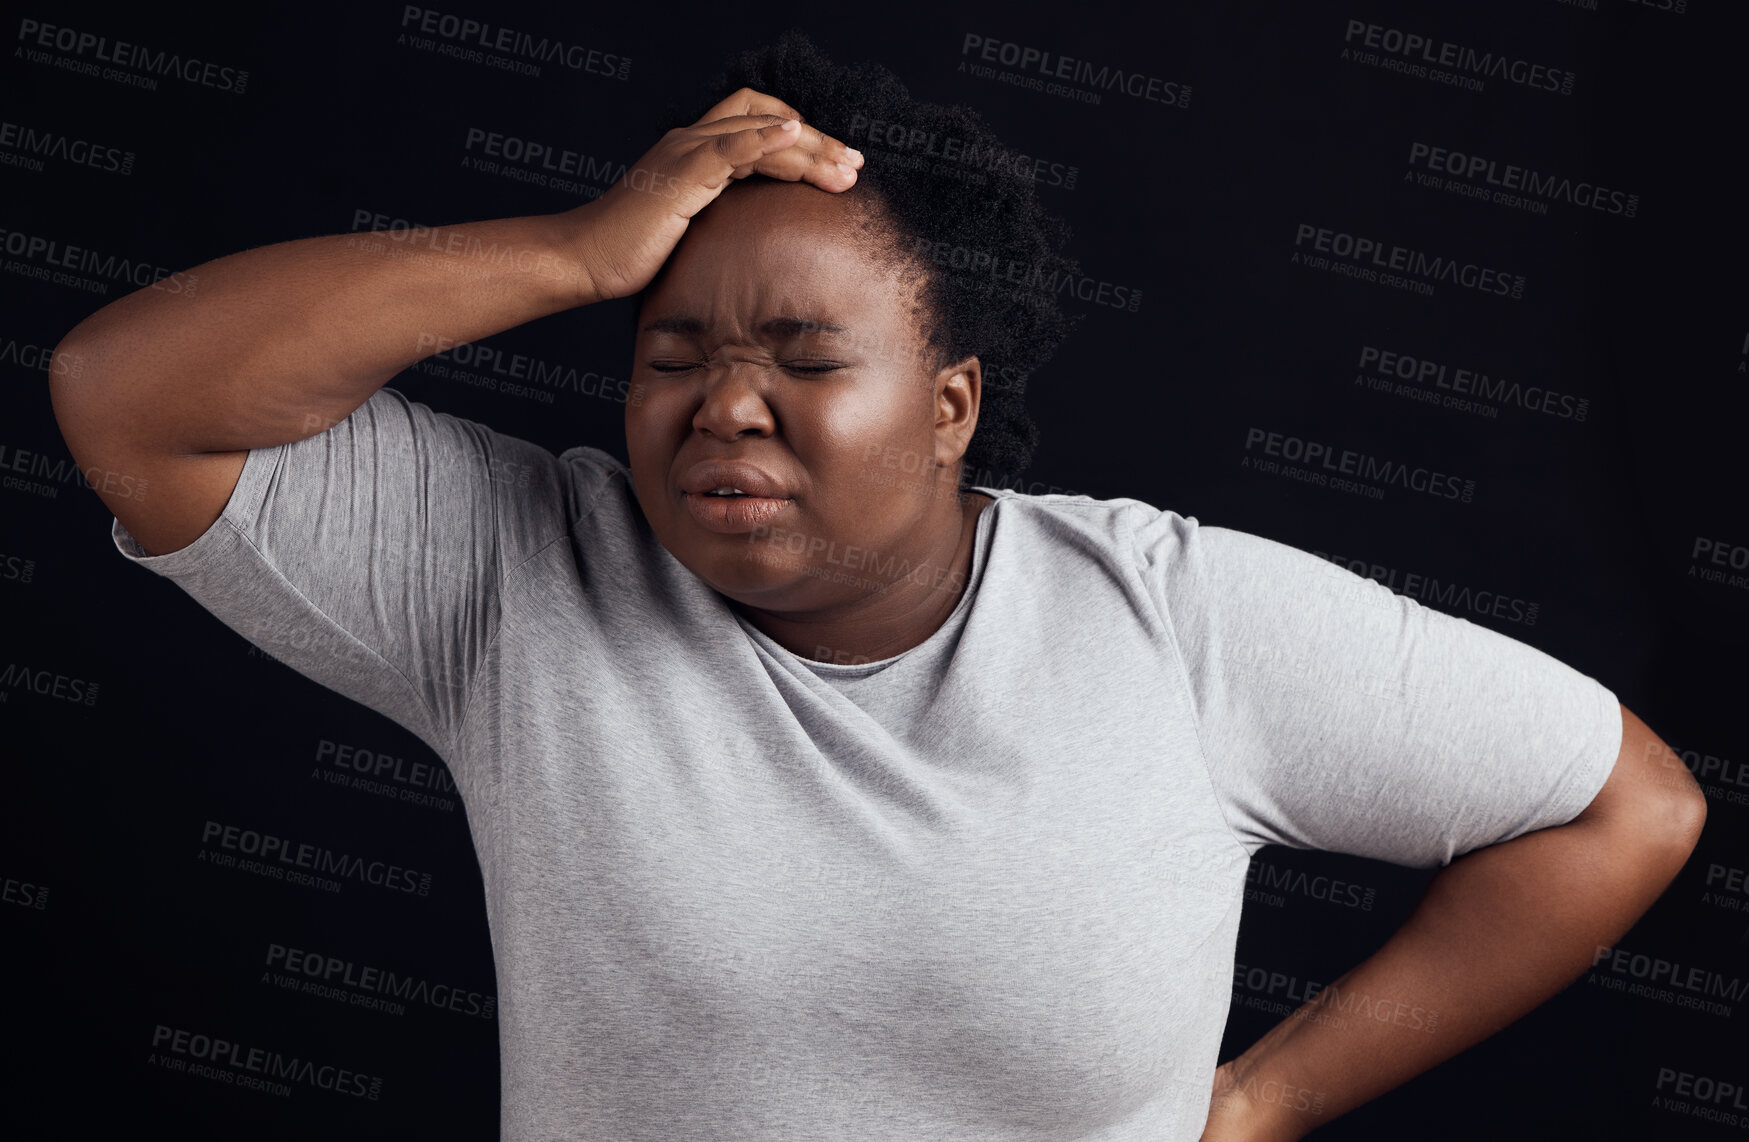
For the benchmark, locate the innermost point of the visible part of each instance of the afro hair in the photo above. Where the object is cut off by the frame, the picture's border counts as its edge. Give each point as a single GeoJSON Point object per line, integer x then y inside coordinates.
{"type": "Point", "coordinates": [954, 207]}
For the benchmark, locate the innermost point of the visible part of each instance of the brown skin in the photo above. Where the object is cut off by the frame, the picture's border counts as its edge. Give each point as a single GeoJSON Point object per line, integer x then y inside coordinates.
{"type": "Point", "coordinates": [869, 450]}
{"type": "Point", "coordinates": [1500, 931]}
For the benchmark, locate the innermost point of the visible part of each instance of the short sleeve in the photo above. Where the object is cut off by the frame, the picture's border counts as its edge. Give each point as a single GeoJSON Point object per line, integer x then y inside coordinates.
{"type": "Point", "coordinates": [1335, 714]}
{"type": "Point", "coordinates": [369, 557]}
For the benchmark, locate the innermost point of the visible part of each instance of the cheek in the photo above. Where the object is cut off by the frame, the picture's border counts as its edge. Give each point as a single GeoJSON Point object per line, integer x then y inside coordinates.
{"type": "Point", "coordinates": [882, 448]}
{"type": "Point", "coordinates": [844, 434]}
{"type": "Point", "coordinates": [655, 413]}
{"type": "Point", "coordinates": [649, 438]}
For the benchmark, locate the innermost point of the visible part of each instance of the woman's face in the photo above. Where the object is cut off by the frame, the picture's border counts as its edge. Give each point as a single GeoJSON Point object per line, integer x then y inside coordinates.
{"type": "Point", "coordinates": [775, 338]}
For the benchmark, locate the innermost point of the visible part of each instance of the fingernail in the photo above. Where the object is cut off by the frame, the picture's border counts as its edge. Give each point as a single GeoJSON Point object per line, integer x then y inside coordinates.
{"type": "Point", "coordinates": [846, 170]}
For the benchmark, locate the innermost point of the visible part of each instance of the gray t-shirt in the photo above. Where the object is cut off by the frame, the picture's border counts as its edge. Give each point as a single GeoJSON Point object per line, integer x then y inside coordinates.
{"type": "Point", "coordinates": [988, 888]}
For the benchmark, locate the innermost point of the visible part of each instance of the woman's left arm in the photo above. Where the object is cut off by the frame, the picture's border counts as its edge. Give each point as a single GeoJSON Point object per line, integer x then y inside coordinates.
{"type": "Point", "coordinates": [1500, 930]}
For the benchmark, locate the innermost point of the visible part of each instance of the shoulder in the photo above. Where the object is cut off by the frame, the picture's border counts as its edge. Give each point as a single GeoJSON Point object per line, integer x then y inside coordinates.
{"type": "Point", "coordinates": [1132, 529]}
{"type": "Point", "coordinates": [1065, 538]}
{"type": "Point", "coordinates": [596, 476]}
{"type": "Point", "coordinates": [595, 461]}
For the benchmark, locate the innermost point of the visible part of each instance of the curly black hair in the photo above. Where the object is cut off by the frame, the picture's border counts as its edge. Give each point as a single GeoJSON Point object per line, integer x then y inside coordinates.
{"type": "Point", "coordinates": [990, 260]}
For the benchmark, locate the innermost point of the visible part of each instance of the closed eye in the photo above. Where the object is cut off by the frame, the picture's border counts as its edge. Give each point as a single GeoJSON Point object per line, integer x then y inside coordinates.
{"type": "Point", "coordinates": [811, 370]}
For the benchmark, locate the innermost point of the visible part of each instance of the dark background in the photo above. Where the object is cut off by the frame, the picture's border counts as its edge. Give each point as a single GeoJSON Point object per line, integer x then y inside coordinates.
{"type": "Point", "coordinates": [1606, 540]}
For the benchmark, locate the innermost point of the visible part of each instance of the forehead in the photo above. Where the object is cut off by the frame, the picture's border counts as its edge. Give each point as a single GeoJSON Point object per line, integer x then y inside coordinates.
{"type": "Point", "coordinates": [768, 245]}
{"type": "Point", "coordinates": [766, 208]}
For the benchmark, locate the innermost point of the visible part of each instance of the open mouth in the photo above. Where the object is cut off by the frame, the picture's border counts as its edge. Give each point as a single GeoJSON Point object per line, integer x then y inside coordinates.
{"type": "Point", "coordinates": [734, 511]}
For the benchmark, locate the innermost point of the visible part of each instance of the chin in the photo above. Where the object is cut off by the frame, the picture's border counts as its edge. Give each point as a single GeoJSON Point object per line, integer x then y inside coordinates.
{"type": "Point", "coordinates": [740, 572]}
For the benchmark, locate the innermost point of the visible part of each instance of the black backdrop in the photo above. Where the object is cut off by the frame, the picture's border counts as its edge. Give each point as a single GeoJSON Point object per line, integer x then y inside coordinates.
{"type": "Point", "coordinates": [1582, 380]}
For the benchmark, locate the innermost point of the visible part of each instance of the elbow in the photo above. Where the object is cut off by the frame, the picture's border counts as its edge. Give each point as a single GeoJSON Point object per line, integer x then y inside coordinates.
{"type": "Point", "coordinates": [1651, 794]}
{"type": "Point", "coordinates": [1672, 818]}
{"type": "Point", "coordinates": [1667, 829]}
{"type": "Point", "coordinates": [1677, 812]}
{"type": "Point", "coordinates": [73, 368]}
{"type": "Point", "coordinates": [1685, 818]}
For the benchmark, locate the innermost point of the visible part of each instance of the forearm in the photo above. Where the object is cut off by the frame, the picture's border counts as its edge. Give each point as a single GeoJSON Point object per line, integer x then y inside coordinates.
{"type": "Point", "coordinates": [277, 343]}
{"type": "Point", "coordinates": [1499, 931]}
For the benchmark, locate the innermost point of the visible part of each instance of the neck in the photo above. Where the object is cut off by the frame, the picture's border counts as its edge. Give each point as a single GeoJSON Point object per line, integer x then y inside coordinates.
{"type": "Point", "coordinates": [886, 622]}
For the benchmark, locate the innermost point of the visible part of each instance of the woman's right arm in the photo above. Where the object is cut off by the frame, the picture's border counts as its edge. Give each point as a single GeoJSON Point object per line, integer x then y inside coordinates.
{"type": "Point", "coordinates": [278, 343]}
{"type": "Point", "coordinates": [160, 394]}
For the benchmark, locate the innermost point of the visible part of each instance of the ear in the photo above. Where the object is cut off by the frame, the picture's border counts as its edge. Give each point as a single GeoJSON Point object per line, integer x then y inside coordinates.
{"type": "Point", "coordinates": [957, 390]}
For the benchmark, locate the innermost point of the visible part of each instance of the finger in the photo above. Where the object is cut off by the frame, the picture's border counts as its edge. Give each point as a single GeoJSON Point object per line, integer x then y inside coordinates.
{"type": "Point", "coordinates": [814, 157]}
{"type": "Point", "coordinates": [746, 101]}
{"type": "Point", "coordinates": [801, 163]}
{"type": "Point", "coordinates": [812, 138]}
{"type": "Point", "coordinates": [704, 169]}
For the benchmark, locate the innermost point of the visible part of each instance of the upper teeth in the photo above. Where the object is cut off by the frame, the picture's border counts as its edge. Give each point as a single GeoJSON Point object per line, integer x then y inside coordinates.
{"type": "Point", "coordinates": [726, 490]}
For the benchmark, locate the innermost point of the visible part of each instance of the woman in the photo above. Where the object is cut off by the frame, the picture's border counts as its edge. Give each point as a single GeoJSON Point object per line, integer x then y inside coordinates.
{"type": "Point", "coordinates": [812, 797]}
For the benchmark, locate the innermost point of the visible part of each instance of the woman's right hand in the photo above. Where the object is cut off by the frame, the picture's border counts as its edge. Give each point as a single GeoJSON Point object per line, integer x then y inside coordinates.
{"type": "Point", "coordinates": [623, 237]}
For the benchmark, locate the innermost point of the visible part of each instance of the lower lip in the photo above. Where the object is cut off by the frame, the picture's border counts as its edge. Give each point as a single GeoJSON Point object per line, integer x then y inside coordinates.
{"type": "Point", "coordinates": [731, 514]}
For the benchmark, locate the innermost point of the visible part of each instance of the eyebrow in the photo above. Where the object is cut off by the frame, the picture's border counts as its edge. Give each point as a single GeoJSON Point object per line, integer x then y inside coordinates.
{"type": "Point", "coordinates": [776, 327]}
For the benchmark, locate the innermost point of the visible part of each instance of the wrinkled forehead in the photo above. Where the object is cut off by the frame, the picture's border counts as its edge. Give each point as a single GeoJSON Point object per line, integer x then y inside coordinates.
{"type": "Point", "coordinates": [764, 216]}
{"type": "Point", "coordinates": [766, 244]}
{"type": "Point", "coordinates": [857, 214]}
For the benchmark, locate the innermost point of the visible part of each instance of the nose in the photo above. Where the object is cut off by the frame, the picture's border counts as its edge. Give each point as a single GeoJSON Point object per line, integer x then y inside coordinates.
{"type": "Point", "coordinates": [733, 401]}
